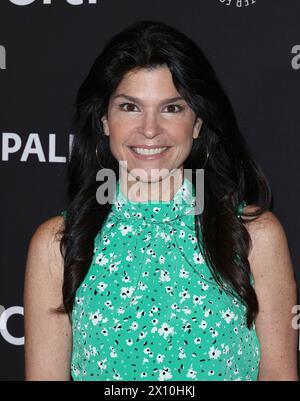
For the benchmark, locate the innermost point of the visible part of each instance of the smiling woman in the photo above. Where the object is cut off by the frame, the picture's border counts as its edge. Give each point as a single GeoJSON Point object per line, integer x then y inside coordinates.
{"type": "Point", "coordinates": [155, 131]}
{"type": "Point", "coordinates": [139, 287]}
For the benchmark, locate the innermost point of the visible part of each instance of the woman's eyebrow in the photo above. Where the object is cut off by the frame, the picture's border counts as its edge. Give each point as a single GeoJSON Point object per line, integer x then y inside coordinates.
{"type": "Point", "coordinates": [137, 100]}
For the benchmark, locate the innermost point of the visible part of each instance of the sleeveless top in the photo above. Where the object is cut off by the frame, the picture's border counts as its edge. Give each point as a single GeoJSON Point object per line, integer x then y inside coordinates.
{"type": "Point", "coordinates": [149, 308]}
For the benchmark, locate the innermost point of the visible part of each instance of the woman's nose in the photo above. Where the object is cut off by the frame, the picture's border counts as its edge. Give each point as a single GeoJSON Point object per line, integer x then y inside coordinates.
{"type": "Point", "coordinates": [150, 125]}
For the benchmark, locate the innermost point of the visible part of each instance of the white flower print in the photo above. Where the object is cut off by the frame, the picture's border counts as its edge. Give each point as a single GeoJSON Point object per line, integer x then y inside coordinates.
{"type": "Point", "coordinates": [154, 309]}
{"type": "Point", "coordinates": [228, 315]}
{"type": "Point", "coordinates": [129, 256]}
{"type": "Point", "coordinates": [213, 332]}
{"type": "Point", "coordinates": [151, 252]}
{"type": "Point", "coordinates": [186, 326]}
{"type": "Point", "coordinates": [181, 234]}
{"type": "Point", "coordinates": [101, 286]}
{"type": "Point", "coordinates": [102, 364]}
{"type": "Point", "coordinates": [117, 376]}
{"type": "Point", "coordinates": [165, 237]}
{"type": "Point", "coordinates": [175, 307]}
{"type": "Point", "coordinates": [186, 310]}
{"type": "Point", "coordinates": [113, 353]}
{"type": "Point", "coordinates": [183, 273]}
{"type": "Point", "coordinates": [106, 240]}
{"type": "Point", "coordinates": [126, 278]}
{"type": "Point", "coordinates": [225, 348]}
{"type": "Point", "coordinates": [184, 294]}
{"type": "Point", "coordinates": [113, 267]}
{"type": "Point", "coordinates": [108, 304]}
{"type": "Point", "coordinates": [208, 313]}
{"type": "Point", "coordinates": [229, 362]}
{"type": "Point", "coordinates": [161, 260]}
{"type": "Point", "coordinates": [160, 358]}
{"type": "Point", "coordinates": [165, 330]}
{"type": "Point", "coordinates": [126, 292]}
{"type": "Point", "coordinates": [214, 352]}
{"type": "Point", "coordinates": [165, 374]}
{"type": "Point", "coordinates": [181, 353]}
{"type": "Point", "coordinates": [149, 307]}
{"type": "Point", "coordinates": [75, 371]}
{"type": "Point", "coordinates": [203, 324]}
{"type": "Point", "coordinates": [139, 314]}
{"type": "Point", "coordinates": [198, 258]}
{"type": "Point", "coordinates": [204, 286]}
{"type": "Point", "coordinates": [142, 286]}
{"type": "Point", "coordinates": [134, 326]}
{"type": "Point", "coordinates": [142, 334]}
{"type": "Point", "coordinates": [95, 317]}
{"type": "Point", "coordinates": [191, 373]}
{"type": "Point", "coordinates": [164, 276]}
{"type": "Point", "coordinates": [197, 299]}
{"type": "Point", "coordinates": [169, 290]}
{"type": "Point", "coordinates": [125, 229]}
{"type": "Point", "coordinates": [79, 300]}
{"type": "Point", "coordinates": [101, 259]}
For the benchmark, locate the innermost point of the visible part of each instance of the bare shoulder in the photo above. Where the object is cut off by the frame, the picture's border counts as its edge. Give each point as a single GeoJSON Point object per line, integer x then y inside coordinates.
{"type": "Point", "coordinates": [44, 244]}
{"type": "Point", "coordinates": [264, 226]}
{"type": "Point", "coordinates": [269, 250]}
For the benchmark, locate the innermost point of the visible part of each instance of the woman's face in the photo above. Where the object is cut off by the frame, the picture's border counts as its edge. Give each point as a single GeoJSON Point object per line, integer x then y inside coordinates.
{"type": "Point", "coordinates": [144, 113]}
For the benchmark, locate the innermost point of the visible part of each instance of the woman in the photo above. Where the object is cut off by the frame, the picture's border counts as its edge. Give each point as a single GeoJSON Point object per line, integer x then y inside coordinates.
{"type": "Point", "coordinates": [149, 290]}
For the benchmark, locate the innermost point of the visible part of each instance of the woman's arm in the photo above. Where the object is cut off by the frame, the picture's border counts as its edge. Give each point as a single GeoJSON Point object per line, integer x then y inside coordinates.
{"type": "Point", "coordinates": [276, 290]}
{"type": "Point", "coordinates": [48, 336]}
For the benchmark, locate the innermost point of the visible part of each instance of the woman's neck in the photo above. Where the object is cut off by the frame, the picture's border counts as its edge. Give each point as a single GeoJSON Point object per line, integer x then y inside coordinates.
{"type": "Point", "coordinates": [151, 191]}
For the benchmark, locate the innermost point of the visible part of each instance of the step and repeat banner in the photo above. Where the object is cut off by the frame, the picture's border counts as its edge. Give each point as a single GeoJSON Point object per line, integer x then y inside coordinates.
{"type": "Point", "coordinates": [47, 48]}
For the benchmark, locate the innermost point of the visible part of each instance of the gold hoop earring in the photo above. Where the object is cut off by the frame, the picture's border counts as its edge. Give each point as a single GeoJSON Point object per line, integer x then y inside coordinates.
{"type": "Point", "coordinates": [97, 157]}
{"type": "Point", "coordinates": [207, 156]}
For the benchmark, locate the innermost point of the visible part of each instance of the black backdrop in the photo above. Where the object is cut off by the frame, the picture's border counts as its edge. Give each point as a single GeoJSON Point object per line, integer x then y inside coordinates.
{"type": "Point", "coordinates": [45, 52]}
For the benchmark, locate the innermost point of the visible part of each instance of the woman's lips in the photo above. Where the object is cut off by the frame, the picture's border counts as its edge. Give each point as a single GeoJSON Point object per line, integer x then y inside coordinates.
{"type": "Point", "coordinates": [149, 157]}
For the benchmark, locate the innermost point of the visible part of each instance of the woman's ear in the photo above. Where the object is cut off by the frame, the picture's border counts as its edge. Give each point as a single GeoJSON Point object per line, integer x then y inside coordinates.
{"type": "Point", "coordinates": [197, 127]}
{"type": "Point", "coordinates": [105, 125]}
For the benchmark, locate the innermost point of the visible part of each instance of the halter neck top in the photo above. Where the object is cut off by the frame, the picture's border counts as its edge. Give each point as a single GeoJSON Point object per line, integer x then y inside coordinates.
{"type": "Point", "coordinates": [149, 308]}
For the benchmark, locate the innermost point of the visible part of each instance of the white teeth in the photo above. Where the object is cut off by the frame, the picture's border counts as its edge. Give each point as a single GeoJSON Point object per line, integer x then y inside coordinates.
{"type": "Point", "coordinates": [143, 151]}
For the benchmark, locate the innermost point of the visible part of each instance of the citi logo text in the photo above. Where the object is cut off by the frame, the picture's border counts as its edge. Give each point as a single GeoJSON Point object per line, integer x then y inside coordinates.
{"type": "Point", "coordinates": [71, 2]}
{"type": "Point", "coordinates": [238, 3]}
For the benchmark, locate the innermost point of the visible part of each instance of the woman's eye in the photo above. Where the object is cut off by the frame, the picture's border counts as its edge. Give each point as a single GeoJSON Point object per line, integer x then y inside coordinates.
{"type": "Point", "coordinates": [122, 106]}
{"type": "Point", "coordinates": [129, 107]}
{"type": "Point", "coordinates": [179, 108]}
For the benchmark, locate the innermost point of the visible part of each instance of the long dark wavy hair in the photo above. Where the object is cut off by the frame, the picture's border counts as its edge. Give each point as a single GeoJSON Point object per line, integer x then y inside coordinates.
{"type": "Point", "coordinates": [231, 173]}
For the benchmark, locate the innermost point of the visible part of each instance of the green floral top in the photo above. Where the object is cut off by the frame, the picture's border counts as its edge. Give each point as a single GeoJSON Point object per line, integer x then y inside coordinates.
{"type": "Point", "coordinates": [149, 308]}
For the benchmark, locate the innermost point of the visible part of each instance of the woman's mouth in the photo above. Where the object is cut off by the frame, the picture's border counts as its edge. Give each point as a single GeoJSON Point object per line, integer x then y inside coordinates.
{"type": "Point", "coordinates": [149, 153]}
